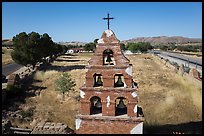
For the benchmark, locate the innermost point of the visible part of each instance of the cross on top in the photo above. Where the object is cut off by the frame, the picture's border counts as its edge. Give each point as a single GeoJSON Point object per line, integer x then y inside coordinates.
{"type": "Point", "coordinates": [108, 18]}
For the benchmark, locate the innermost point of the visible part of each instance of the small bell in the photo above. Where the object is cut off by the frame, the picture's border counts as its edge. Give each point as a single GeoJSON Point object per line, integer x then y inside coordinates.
{"type": "Point", "coordinates": [121, 104]}
{"type": "Point", "coordinates": [119, 83]}
{"type": "Point", "coordinates": [98, 104]}
{"type": "Point", "coordinates": [99, 82]}
{"type": "Point", "coordinates": [108, 58]}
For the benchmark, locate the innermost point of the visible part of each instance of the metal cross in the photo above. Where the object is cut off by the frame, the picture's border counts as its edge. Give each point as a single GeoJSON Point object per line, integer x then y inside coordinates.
{"type": "Point", "coordinates": [108, 18]}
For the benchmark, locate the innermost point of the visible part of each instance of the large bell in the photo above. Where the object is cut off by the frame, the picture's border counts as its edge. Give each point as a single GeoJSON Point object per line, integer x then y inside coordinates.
{"type": "Point", "coordinates": [99, 82]}
{"type": "Point", "coordinates": [108, 58]}
{"type": "Point", "coordinates": [98, 104]}
{"type": "Point", "coordinates": [121, 104]}
{"type": "Point", "coordinates": [119, 83]}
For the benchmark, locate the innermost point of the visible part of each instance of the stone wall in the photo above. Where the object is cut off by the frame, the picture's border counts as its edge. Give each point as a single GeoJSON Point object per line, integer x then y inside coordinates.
{"type": "Point", "coordinates": [22, 75]}
{"type": "Point", "coordinates": [51, 128]}
{"type": "Point", "coordinates": [40, 128]}
{"type": "Point", "coordinates": [6, 124]}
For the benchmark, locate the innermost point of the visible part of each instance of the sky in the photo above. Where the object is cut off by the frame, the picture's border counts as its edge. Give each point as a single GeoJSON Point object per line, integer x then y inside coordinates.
{"type": "Point", "coordinates": [82, 21]}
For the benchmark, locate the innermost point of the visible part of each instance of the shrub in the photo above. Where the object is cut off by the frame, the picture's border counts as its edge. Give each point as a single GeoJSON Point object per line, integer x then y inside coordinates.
{"type": "Point", "coordinates": [175, 64]}
{"type": "Point", "coordinates": [26, 113]}
{"type": "Point", "coordinates": [186, 69]}
{"type": "Point", "coordinates": [64, 83]}
{"type": "Point", "coordinates": [14, 90]}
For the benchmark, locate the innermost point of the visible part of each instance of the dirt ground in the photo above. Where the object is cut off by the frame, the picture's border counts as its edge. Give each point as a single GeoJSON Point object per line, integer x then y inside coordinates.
{"type": "Point", "coordinates": [165, 96]}
{"type": "Point", "coordinates": [6, 56]}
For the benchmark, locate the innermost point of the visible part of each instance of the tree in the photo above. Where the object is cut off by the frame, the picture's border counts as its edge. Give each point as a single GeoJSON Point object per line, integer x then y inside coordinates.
{"type": "Point", "coordinates": [164, 47]}
{"type": "Point", "coordinates": [64, 84]}
{"type": "Point", "coordinates": [122, 46]}
{"type": "Point", "coordinates": [31, 48]}
{"type": "Point", "coordinates": [25, 47]}
{"type": "Point", "coordinates": [90, 46]}
{"type": "Point", "coordinates": [46, 45]}
{"type": "Point", "coordinates": [95, 41]}
{"type": "Point", "coordinates": [140, 46]}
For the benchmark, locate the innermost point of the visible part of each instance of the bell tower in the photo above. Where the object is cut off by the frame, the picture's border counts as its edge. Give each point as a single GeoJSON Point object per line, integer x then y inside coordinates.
{"type": "Point", "coordinates": [109, 100]}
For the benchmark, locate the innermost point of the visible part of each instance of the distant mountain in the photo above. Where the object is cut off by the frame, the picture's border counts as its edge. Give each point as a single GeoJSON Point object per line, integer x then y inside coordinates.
{"type": "Point", "coordinates": [7, 42]}
{"type": "Point", "coordinates": [165, 40]}
{"type": "Point", "coordinates": [74, 43]}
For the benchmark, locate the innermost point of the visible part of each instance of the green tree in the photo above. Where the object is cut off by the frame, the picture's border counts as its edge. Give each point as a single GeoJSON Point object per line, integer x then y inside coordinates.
{"type": "Point", "coordinates": [172, 47]}
{"type": "Point", "coordinates": [140, 46]}
{"type": "Point", "coordinates": [90, 46]}
{"type": "Point", "coordinates": [64, 48]}
{"type": "Point", "coordinates": [64, 83]}
{"type": "Point", "coordinates": [122, 46]}
{"type": "Point", "coordinates": [25, 48]}
{"type": "Point", "coordinates": [164, 47]}
{"type": "Point", "coordinates": [31, 48]}
{"type": "Point", "coordinates": [95, 41]}
{"type": "Point", "coordinates": [46, 45]}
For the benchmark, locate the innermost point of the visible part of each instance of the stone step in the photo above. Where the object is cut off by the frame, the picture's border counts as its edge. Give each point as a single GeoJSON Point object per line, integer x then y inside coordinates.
{"type": "Point", "coordinates": [19, 132]}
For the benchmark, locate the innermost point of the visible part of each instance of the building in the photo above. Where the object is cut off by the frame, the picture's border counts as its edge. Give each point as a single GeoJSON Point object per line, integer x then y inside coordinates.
{"type": "Point", "coordinates": [74, 50]}
{"type": "Point", "coordinates": [109, 96]}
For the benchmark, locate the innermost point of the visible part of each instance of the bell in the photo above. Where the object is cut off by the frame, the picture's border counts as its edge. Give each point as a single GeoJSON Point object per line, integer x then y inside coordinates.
{"type": "Point", "coordinates": [121, 104]}
{"type": "Point", "coordinates": [99, 82]}
{"type": "Point", "coordinates": [98, 104]}
{"type": "Point", "coordinates": [108, 58]}
{"type": "Point", "coordinates": [119, 83]}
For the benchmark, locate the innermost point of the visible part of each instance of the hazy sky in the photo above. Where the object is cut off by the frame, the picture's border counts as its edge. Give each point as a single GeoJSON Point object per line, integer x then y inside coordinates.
{"type": "Point", "coordinates": [82, 21]}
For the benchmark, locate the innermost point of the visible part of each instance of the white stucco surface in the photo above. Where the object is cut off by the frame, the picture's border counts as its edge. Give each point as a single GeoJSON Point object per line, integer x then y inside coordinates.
{"type": "Point", "coordinates": [138, 129]}
{"type": "Point", "coordinates": [135, 109]}
{"type": "Point", "coordinates": [78, 123]}
{"type": "Point", "coordinates": [100, 41]}
{"type": "Point", "coordinates": [134, 94]}
{"type": "Point", "coordinates": [129, 70]}
{"type": "Point", "coordinates": [108, 33]}
{"type": "Point", "coordinates": [82, 93]}
{"type": "Point", "coordinates": [125, 85]}
{"type": "Point", "coordinates": [108, 101]}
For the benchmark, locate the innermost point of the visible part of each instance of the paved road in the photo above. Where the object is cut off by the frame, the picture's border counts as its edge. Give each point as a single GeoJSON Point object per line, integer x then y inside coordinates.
{"type": "Point", "coordinates": [10, 68]}
{"type": "Point", "coordinates": [181, 59]}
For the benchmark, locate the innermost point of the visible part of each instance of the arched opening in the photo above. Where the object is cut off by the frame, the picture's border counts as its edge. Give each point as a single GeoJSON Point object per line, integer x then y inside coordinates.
{"type": "Point", "coordinates": [96, 106]}
{"type": "Point", "coordinates": [120, 106]}
{"type": "Point", "coordinates": [134, 84]}
{"type": "Point", "coordinates": [119, 80]}
{"type": "Point", "coordinates": [108, 57]}
{"type": "Point", "coordinates": [98, 80]}
{"type": "Point", "coordinates": [139, 112]}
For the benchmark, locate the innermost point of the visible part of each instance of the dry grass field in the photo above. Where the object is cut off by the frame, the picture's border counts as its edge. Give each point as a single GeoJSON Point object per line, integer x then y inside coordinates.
{"type": "Point", "coordinates": [6, 56]}
{"type": "Point", "coordinates": [166, 97]}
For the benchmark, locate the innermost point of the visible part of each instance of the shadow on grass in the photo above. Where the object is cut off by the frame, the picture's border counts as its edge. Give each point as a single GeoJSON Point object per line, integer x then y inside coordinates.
{"type": "Point", "coordinates": [61, 60]}
{"type": "Point", "coordinates": [186, 128]}
{"type": "Point", "coordinates": [37, 81]}
{"type": "Point", "coordinates": [34, 87]}
{"type": "Point", "coordinates": [69, 54]}
{"type": "Point", "coordinates": [66, 57]}
{"type": "Point", "coordinates": [66, 68]}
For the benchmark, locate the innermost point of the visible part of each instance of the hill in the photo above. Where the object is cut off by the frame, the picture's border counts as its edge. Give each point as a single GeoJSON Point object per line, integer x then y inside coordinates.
{"type": "Point", "coordinates": [7, 42]}
{"type": "Point", "coordinates": [166, 40]}
{"type": "Point", "coordinates": [74, 43]}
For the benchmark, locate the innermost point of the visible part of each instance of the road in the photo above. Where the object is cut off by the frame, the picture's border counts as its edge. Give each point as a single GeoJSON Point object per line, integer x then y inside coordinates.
{"type": "Point", "coordinates": [181, 59]}
{"type": "Point", "coordinates": [10, 68]}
